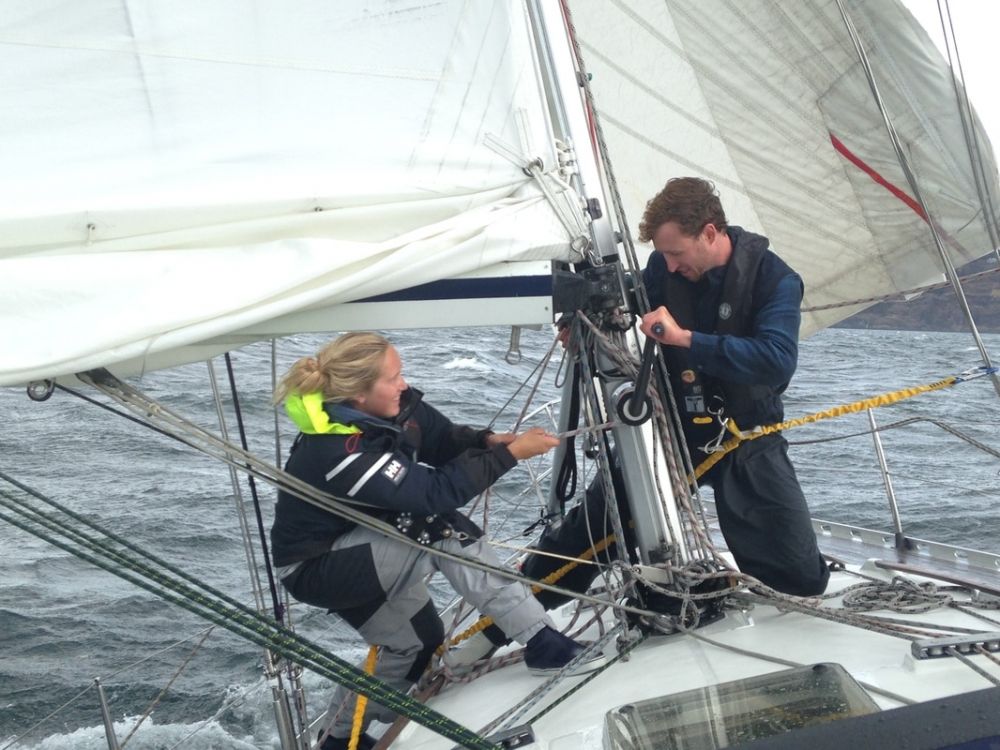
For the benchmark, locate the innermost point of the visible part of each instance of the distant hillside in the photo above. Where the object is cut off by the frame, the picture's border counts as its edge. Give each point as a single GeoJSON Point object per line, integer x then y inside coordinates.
{"type": "Point", "coordinates": [938, 310]}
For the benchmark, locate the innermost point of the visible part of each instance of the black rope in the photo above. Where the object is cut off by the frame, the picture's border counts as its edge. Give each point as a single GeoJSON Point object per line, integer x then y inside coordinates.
{"type": "Point", "coordinates": [279, 608]}
{"type": "Point", "coordinates": [566, 479]}
{"type": "Point", "coordinates": [120, 413]}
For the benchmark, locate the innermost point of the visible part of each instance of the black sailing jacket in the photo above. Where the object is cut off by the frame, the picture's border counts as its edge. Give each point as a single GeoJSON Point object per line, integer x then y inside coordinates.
{"type": "Point", "coordinates": [421, 463]}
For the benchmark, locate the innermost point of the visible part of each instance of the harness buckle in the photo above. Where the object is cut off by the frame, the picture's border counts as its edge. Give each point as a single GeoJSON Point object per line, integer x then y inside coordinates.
{"type": "Point", "coordinates": [715, 444]}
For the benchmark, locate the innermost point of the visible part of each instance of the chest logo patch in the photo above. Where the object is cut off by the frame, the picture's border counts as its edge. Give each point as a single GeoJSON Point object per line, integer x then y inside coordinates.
{"type": "Point", "coordinates": [394, 471]}
{"type": "Point", "coordinates": [725, 311]}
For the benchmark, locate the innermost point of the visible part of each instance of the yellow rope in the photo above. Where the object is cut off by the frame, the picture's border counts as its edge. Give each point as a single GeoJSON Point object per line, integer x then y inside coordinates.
{"type": "Point", "coordinates": [869, 403]}
{"type": "Point", "coordinates": [587, 554]}
{"type": "Point", "coordinates": [359, 709]}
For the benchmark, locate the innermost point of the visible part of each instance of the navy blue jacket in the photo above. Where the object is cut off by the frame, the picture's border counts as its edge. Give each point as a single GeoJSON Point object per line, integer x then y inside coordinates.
{"type": "Point", "coordinates": [768, 352]}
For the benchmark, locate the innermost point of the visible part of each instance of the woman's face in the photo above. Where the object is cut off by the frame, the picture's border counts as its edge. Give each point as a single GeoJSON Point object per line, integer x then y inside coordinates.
{"type": "Point", "coordinates": [382, 399]}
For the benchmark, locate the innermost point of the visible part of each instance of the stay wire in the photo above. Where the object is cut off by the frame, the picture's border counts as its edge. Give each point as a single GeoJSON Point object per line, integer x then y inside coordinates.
{"type": "Point", "coordinates": [605, 161]}
{"type": "Point", "coordinates": [541, 365]}
{"type": "Point", "coordinates": [48, 716]}
{"type": "Point", "coordinates": [898, 296]}
{"type": "Point", "coordinates": [226, 706]}
{"type": "Point", "coordinates": [155, 702]}
{"type": "Point", "coordinates": [965, 114]}
{"type": "Point", "coordinates": [280, 606]}
{"type": "Point", "coordinates": [119, 412]}
{"type": "Point", "coordinates": [904, 423]}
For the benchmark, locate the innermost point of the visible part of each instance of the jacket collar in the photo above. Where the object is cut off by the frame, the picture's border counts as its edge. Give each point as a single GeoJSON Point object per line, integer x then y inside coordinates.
{"type": "Point", "coordinates": [313, 417]}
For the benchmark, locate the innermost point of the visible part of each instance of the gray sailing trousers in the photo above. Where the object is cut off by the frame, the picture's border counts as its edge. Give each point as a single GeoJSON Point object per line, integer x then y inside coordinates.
{"type": "Point", "coordinates": [401, 618]}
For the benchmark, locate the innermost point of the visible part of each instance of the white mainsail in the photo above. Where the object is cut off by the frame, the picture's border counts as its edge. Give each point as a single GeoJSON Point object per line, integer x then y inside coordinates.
{"type": "Point", "coordinates": [770, 101]}
{"type": "Point", "coordinates": [174, 173]}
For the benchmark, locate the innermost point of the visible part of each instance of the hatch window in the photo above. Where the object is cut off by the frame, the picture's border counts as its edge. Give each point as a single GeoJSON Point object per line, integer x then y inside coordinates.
{"type": "Point", "coordinates": [736, 712]}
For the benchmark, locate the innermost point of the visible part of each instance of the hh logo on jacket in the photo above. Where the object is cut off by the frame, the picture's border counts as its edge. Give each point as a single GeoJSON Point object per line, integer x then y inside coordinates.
{"type": "Point", "coordinates": [394, 471]}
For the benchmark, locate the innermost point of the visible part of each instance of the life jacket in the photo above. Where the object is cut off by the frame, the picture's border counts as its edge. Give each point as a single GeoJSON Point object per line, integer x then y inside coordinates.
{"type": "Point", "coordinates": [704, 401]}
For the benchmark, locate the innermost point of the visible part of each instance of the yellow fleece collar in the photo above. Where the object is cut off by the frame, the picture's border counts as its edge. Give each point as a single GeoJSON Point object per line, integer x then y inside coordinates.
{"type": "Point", "coordinates": [311, 418]}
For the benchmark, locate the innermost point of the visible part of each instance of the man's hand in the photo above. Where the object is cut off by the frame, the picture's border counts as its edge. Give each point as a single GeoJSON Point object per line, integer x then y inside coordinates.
{"type": "Point", "coordinates": [562, 330]}
{"type": "Point", "coordinates": [672, 334]}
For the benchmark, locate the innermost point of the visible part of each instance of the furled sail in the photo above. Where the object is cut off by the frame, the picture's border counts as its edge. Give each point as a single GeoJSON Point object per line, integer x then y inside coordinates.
{"type": "Point", "coordinates": [194, 174]}
{"type": "Point", "coordinates": [769, 100]}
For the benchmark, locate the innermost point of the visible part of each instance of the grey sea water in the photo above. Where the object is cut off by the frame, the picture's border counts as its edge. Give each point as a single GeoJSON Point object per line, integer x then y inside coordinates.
{"type": "Point", "coordinates": [64, 622]}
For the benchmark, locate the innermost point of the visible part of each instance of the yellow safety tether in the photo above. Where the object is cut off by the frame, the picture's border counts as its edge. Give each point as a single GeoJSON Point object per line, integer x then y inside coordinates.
{"type": "Point", "coordinates": [869, 403]}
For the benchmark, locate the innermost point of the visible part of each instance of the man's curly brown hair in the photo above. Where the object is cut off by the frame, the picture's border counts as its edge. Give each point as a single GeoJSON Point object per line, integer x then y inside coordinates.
{"type": "Point", "coordinates": [690, 201]}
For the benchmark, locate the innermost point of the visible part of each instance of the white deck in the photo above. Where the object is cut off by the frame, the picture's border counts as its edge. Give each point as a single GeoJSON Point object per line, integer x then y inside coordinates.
{"type": "Point", "coordinates": [664, 665]}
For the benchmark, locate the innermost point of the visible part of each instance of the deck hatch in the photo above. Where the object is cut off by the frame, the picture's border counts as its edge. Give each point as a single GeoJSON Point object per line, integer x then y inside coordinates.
{"type": "Point", "coordinates": [736, 712]}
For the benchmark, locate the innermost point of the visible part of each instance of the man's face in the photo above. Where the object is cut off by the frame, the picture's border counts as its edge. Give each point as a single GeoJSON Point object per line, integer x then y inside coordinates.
{"type": "Point", "coordinates": [689, 256]}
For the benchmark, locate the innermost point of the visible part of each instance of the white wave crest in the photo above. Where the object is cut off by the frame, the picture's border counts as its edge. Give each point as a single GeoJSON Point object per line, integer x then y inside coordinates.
{"type": "Point", "coordinates": [466, 363]}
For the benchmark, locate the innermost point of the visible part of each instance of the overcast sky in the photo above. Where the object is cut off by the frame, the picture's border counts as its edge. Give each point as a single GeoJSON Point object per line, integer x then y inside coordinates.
{"type": "Point", "coordinates": [977, 34]}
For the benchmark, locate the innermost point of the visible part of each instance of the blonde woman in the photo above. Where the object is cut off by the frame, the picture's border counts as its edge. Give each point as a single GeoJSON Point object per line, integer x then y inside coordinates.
{"type": "Point", "coordinates": [368, 438]}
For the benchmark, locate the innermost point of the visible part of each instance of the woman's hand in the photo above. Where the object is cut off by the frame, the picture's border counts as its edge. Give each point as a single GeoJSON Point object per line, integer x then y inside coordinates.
{"type": "Point", "coordinates": [500, 438]}
{"type": "Point", "coordinates": [534, 442]}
